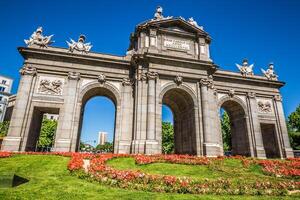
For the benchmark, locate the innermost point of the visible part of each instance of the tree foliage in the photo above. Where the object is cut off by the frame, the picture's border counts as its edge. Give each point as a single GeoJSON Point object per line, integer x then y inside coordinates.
{"type": "Point", "coordinates": [226, 132]}
{"type": "Point", "coordinates": [4, 128]}
{"type": "Point", "coordinates": [47, 133]}
{"type": "Point", "coordinates": [294, 128]}
{"type": "Point", "coordinates": [107, 147]}
{"type": "Point", "coordinates": [167, 138]}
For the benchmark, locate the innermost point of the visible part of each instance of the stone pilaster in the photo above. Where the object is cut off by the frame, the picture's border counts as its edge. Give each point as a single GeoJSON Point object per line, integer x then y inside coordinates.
{"type": "Point", "coordinates": [283, 133]}
{"type": "Point", "coordinates": [66, 115]}
{"type": "Point", "coordinates": [151, 142]}
{"type": "Point", "coordinates": [257, 148]}
{"type": "Point", "coordinates": [17, 125]}
{"type": "Point", "coordinates": [209, 112]}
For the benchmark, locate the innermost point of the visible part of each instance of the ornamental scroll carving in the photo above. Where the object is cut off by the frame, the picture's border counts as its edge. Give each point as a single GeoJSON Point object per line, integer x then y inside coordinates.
{"type": "Point", "coordinates": [264, 106]}
{"type": "Point", "coordinates": [53, 87]}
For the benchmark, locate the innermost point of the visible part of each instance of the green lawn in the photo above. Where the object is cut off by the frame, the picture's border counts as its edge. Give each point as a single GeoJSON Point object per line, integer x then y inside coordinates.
{"type": "Point", "coordinates": [229, 168]}
{"type": "Point", "coordinates": [49, 179]}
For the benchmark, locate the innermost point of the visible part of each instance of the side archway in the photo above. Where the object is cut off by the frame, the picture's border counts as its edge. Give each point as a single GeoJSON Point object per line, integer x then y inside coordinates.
{"type": "Point", "coordinates": [239, 133]}
{"type": "Point", "coordinates": [183, 104]}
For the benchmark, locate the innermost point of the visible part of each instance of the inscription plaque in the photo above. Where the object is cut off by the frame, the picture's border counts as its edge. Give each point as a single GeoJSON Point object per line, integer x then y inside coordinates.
{"type": "Point", "coordinates": [177, 44]}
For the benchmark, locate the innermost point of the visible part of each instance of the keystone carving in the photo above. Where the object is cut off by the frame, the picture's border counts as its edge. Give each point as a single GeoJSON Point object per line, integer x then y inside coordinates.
{"type": "Point", "coordinates": [231, 93]}
{"type": "Point", "coordinates": [264, 107]}
{"type": "Point", "coordinates": [101, 78]}
{"type": "Point", "coordinates": [73, 75]}
{"type": "Point", "coordinates": [38, 39]}
{"type": "Point", "coordinates": [50, 87]}
{"type": "Point", "coordinates": [178, 79]}
{"type": "Point", "coordinates": [246, 69]}
{"type": "Point", "coordinates": [28, 70]}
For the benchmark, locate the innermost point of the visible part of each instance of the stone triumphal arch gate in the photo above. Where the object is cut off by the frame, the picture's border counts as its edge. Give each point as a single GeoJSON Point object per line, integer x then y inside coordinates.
{"type": "Point", "coordinates": [168, 62]}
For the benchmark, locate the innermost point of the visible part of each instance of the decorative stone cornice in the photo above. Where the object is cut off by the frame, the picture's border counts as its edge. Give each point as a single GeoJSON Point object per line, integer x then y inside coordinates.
{"type": "Point", "coordinates": [251, 95]}
{"type": "Point", "coordinates": [178, 79]}
{"type": "Point", "coordinates": [127, 81]}
{"type": "Point", "coordinates": [73, 75]}
{"type": "Point", "coordinates": [101, 78]}
{"type": "Point", "coordinates": [277, 97]}
{"type": "Point", "coordinates": [151, 75]}
{"type": "Point", "coordinates": [28, 70]}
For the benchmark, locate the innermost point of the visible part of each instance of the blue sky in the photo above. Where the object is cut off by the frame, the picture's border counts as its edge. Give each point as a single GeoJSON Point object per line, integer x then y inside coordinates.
{"type": "Point", "coordinates": [261, 31]}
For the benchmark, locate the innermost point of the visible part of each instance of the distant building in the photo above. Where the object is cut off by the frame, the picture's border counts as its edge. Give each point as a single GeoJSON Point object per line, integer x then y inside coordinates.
{"type": "Point", "coordinates": [102, 138]}
{"type": "Point", "coordinates": [51, 116]}
{"type": "Point", "coordinates": [5, 92]}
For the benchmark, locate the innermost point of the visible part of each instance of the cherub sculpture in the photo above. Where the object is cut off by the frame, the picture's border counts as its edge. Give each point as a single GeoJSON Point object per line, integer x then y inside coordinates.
{"type": "Point", "coordinates": [38, 39]}
{"type": "Point", "coordinates": [270, 73]}
{"type": "Point", "coordinates": [79, 45]}
{"type": "Point", "coordinates": [246, 69]}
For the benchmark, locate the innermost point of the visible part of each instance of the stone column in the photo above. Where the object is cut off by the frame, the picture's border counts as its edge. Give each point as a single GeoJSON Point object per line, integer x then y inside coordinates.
{"type": "Point", "coordinates": [257, 144]}
{"type": "Point", "coordinates": [17, 124]}
{"type": "Point", "coordinates": [211, 146]}
{"type": "Point", "coordinates": [151, 142]}
{"type": "Point", "coordinates": [67, 114]}
{"type": "Point", "coordinates": [283, 133]}
{"type": "Point", "coordinates": [127, 117]}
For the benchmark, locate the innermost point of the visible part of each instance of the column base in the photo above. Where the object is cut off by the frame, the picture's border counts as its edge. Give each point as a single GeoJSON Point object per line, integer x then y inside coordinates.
{"type": "Point", "coordinates": [260, 152]}
{"type": "Point", "coordinates": [152, 147]}
{"type": "Point", "coordinates": [289, 153]}
{"type": "Point", "coordinates": [124, 146]}
{"type": "Point", "coordinates": [62, 145]}
{"type": "Point", "coordinates": [138, 146]}
{"type": "Point", "coordinates": [212, 150]}
{"type": "Point", "coordinates": [11, 144]}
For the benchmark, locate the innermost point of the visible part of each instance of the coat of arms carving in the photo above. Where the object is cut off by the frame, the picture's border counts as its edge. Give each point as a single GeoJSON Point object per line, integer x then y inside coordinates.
{"type": "Point", "coordinates": [50, 87]}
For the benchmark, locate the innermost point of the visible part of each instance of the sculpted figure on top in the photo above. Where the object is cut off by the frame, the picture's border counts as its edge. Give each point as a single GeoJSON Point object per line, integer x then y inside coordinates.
{"type": "Point", "coordinates": [38, 39]}
{"type": "Point", "coordinates": [194, 23]}
{"type": "Point", "coordinates": [158, 14]}
{"type": "Point", "coordinates": [79, 45]}
{"type": "Point", "coordinates": [270, 73]}
{"type": "Point", "coordinates": [245, 69]}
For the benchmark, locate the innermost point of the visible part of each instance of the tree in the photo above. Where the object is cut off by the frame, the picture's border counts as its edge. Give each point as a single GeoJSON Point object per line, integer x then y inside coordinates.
{"type": "Point", "coordinates": [226, 132]}
{"type": "Point", "coordinates": [4, 128]}
{"type": "Point", "coordinates": [167, 138]}
{"type": "Point", "coordinates": [47, 133]}
{"type": "Point", "coordinates": [107, 147]}
{"type": "Point", "coordinates": [293, 124]}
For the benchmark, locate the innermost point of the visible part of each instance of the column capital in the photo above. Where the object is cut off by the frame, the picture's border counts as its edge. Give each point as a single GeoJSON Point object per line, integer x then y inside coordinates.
{"type": "Point", "coordinates": [277, 97]}
{"type": "Point", "coordinates": [73, 75]}
{"type": "Point", "coordinates": [127, 82]}
{"type": "Point", "coordinates": [208, 82]}
{"type": "Point", "coordinates": [151, 75]}
{"type": "Point", "coordinates": [28, 69]}
{"type": "Point", "coordinates": [251, 95]}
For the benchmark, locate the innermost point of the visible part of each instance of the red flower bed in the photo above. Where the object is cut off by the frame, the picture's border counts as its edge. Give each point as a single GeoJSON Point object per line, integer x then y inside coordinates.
{"type": "Point", "coordinates": [4, 154]}
{"type": "Point", "coordinates": [290, 167]}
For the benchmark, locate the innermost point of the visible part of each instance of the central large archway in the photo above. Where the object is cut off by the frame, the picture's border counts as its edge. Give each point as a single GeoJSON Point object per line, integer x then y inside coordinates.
{"type": "Point", "coordinates": [183, 108]}
{"type": "Point", "coordinates": [99, 90]}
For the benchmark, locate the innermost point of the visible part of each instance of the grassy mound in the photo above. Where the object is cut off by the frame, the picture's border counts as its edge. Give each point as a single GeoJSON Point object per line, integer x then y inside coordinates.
{"type": "Point", "coordinates": [49, 179]}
